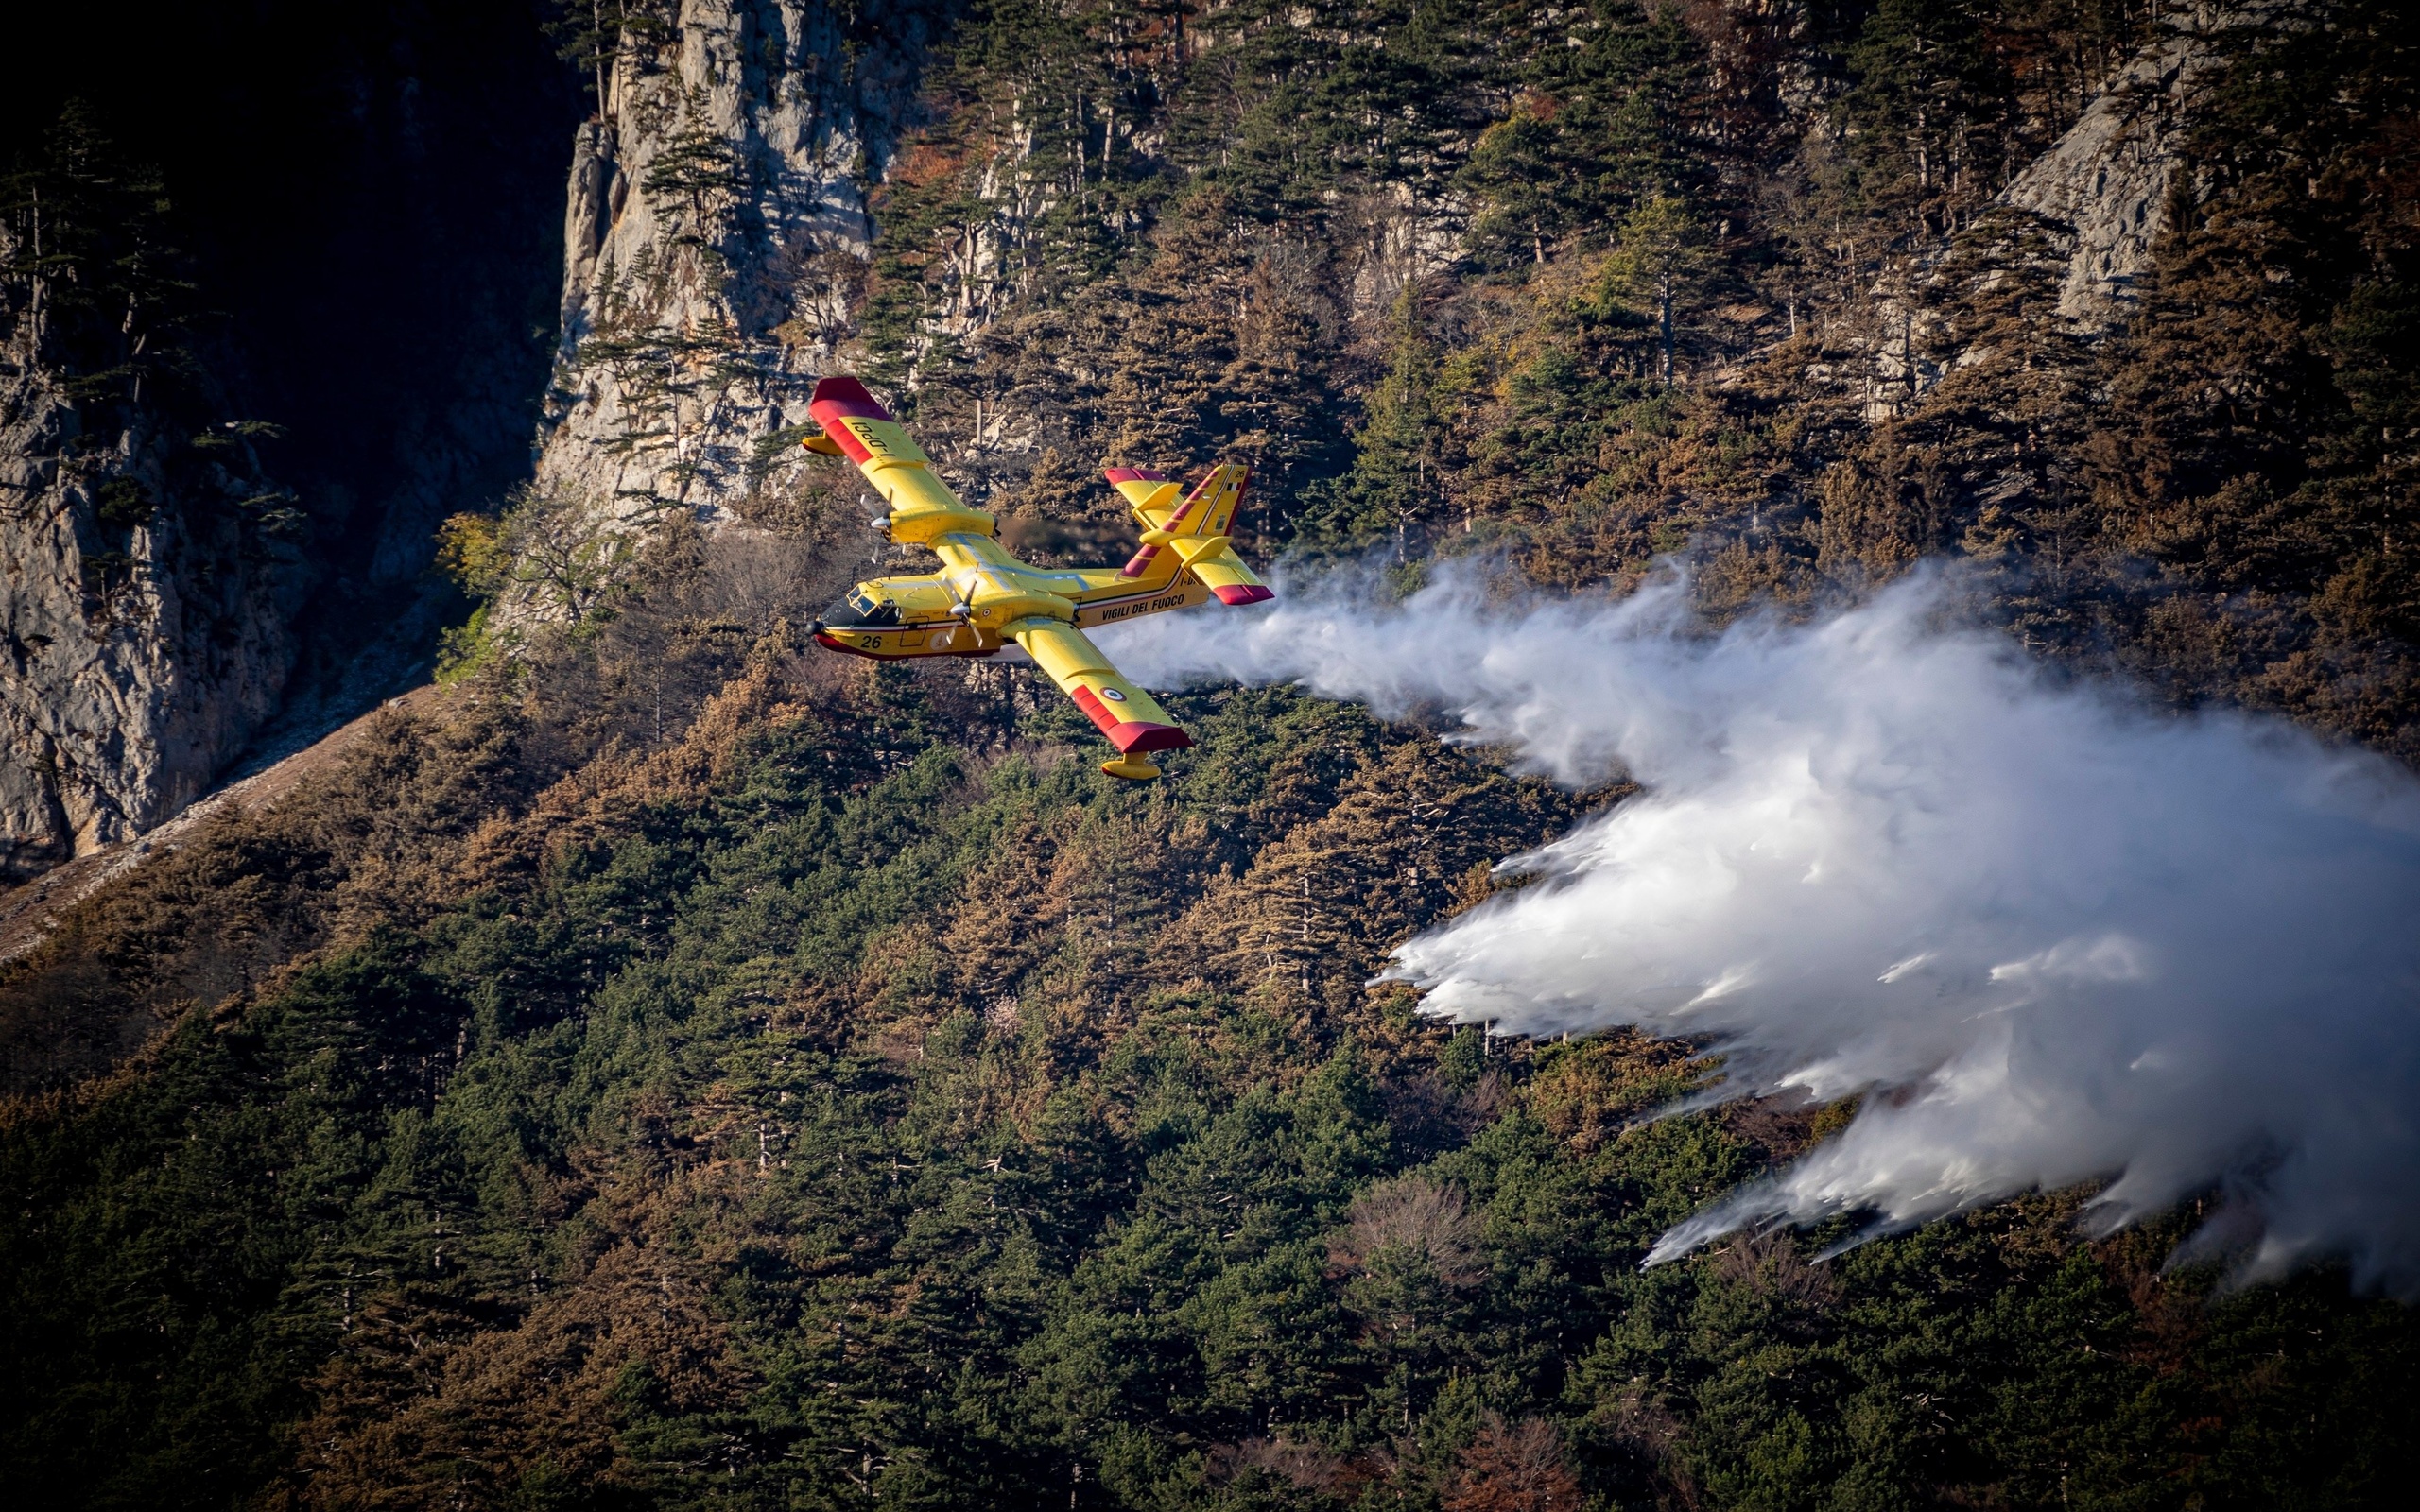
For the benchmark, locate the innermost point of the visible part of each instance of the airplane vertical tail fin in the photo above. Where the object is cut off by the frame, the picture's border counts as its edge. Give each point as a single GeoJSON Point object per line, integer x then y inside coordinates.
{"type": "Point", "coordinates": [1203, 513]}
{"type": "Point", "coordinates": [1194, 528]}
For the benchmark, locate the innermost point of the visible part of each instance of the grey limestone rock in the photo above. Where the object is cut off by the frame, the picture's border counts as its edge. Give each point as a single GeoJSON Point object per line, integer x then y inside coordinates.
{"type": "Point", "coordinates": [715, 223]}
{"type": "Point", "coordinates": [2083, 220]}
{"type": "Point", "coordinates": [135, 658]}
{"type": "Point", "coordinates": [2105, 184]}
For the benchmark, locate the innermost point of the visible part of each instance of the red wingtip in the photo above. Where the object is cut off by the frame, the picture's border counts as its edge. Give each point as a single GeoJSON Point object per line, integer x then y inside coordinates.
{"type": "Point", "coordinates": [1131, 735]}
{"type": "Point", "coordinates": [840, 399]}
{"type": "Point", "coordinates": [1135, 736]}
{"type": "Point", "coordinates": [1242, 593]}
{"type": "Point", "coordinates": [845, 395]}
{"type": "Point", "coordinates": [1133, 474]}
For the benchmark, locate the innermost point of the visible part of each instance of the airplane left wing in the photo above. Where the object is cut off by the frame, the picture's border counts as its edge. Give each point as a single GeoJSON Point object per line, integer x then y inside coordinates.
{"type": "Point", "coordinates": [858, 427]}
{"type": "Point", "coordinates": [1130, 718]}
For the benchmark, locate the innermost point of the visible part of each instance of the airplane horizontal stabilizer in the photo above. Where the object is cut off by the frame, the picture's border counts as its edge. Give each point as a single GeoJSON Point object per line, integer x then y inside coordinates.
{"type": "Point", "coordinates": [1150, 493]}
{"type": "Point", "coordinates": [1224, 574]}
{"type": "Point", "coordinates": [1206, 511]}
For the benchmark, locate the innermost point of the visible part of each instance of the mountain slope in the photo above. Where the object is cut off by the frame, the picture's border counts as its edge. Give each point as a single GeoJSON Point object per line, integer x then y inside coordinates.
{"type": "Point", "coordinates": [672, 1068]}
{"type": "Point", "coordinates": [833, 1104]}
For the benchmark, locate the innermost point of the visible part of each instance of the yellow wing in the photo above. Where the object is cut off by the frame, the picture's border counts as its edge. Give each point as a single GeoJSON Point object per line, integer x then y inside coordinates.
{"type": "Point", "coordinates": [921, 507]}
{"type": "Point", "coordinates": [1130, 718]}
{"type": "Point", "coordinates": [925, 512]}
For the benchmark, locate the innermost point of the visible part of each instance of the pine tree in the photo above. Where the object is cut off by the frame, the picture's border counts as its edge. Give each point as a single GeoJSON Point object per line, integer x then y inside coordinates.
{"type": "Point", "coordinates": [93, 279]}
{"type": "Point", "coordinates": [1927, 91]}
{"type": "Point", "coordinates": [1663, 255]}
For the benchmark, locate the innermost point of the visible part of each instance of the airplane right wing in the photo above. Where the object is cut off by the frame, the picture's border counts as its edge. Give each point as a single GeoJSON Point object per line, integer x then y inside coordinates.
{"type": "Point", "coordinates": [1130, 719]}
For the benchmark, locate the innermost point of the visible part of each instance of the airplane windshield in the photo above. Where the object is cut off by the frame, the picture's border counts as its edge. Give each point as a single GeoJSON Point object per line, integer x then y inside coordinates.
{"type": "Point", "coordinates": [862, 608]}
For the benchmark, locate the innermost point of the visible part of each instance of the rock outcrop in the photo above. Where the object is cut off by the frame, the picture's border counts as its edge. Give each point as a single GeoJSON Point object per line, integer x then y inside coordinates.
{"type": "Point", "coordinates": [716, 229]}
{"type": "Point", "coordinates": [2104, 185]}
{"type": "Point", "coordinates": [2063, 250]}
{"type": "Point", "coordinates": [145, 586]}
{"type": "Point", "coordinates": [339, 220]}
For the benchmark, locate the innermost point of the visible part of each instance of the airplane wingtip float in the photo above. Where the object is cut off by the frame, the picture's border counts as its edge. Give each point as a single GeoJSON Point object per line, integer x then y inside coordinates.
{"type": "Point", "coordinates": [983, 600]}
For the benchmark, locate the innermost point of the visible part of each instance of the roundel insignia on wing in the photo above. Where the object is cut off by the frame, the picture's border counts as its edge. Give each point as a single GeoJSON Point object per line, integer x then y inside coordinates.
{"type": "Point", "coordinates": [1112, 695]}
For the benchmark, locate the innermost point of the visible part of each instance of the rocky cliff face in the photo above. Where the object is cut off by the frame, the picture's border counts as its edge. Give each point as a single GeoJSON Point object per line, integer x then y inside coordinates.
{"type": "Point", "coordinates": [2103, 187]}
{"type": "Point", "coordinates": [146, 581]}
{"type": "Point", "coordinates": [2053, 265]}
{"type": "Point", "coordinates": [342, 223]}
{"type": "Point", "coordinates": [716, 250]}
{"type": "Point", "coordinates": [716, 226]}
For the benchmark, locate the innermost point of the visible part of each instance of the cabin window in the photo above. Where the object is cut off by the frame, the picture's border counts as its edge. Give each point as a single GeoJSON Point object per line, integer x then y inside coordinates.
{"type": "Point", "coordinates": [862, 608]}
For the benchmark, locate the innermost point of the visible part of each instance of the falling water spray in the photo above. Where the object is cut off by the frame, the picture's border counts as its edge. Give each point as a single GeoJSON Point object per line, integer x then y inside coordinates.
{"type": "Point", "coordinates": [2053, 935]}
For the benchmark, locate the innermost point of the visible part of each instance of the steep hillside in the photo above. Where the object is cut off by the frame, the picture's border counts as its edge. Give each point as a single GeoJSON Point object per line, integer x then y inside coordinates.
{"type": "Point", "coordinates": [669, 1067]}
{"type": "Point", "coordinates": [860, 1100]}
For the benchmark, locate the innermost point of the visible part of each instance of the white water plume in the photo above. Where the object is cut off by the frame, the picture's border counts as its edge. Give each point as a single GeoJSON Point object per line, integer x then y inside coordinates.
{"type": "Point", "coordinates": [2052, 936]}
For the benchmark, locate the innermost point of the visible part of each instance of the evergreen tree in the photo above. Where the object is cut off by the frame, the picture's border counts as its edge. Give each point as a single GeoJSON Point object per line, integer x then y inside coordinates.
{"type": "Point", "coordinates": [1929, 93]}
{"type": "Point", "coordinates": [92, 275]}
{"type": "Point", "coordinates": [1663, 256]}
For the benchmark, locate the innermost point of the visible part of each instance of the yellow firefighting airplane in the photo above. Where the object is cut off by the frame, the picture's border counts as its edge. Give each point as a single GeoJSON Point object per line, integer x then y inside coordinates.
{"type": "Point", "coordinates": [983, 598]}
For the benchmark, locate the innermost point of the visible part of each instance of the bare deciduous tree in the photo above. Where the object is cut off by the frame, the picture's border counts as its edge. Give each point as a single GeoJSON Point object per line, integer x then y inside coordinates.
{"type": "Point", "coordinates": [1425, 1217]}
{"type": "Point", "coordinates": [1513, 1468]}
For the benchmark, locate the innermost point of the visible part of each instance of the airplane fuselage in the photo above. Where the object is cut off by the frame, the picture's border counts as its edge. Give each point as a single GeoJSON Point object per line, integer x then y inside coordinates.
{"type": "Point", "coordinates": [960, 610]}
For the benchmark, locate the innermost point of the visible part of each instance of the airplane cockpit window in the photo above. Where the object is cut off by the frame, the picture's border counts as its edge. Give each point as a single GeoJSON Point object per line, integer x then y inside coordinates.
{"type": "Point", "coordinates": [862, 608]}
